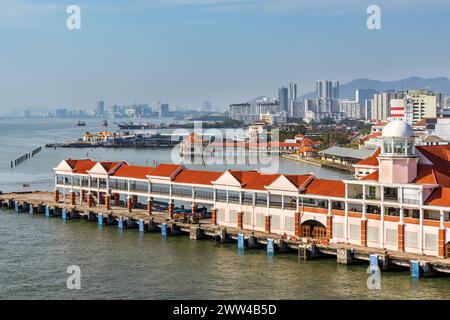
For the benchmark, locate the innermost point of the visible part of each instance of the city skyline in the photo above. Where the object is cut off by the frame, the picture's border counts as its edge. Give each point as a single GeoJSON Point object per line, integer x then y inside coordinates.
{"type": "Point", "coordinates": [187, 51]}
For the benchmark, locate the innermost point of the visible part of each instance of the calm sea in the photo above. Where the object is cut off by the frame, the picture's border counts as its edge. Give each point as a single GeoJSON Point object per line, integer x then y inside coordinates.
{"type": "Point", "coordinates": [36, 252]}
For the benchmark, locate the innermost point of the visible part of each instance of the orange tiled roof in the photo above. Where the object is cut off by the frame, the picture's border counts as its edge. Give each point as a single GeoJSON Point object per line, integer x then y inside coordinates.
{"type": "Point", "coordinates": [439, 156]}
{"type": "Point", "coordinates": [372, 160]}
{"type": "Point", "coordinates": [439, 197]}
{"type": "Point", "coordinates": [253, 180]}
{"type": "Point", "coordinates": [333, 188]}
{"type": "Point", "coordinates": [298, 180]}
{"type": "Point", "coordinates": [373, 176]}
{"type": "Point", "coordinates": [165, 170]}
{"type": "Point", "coordinates": [81, 166]}
{"type": "Point", "coordinates": [136, 172]}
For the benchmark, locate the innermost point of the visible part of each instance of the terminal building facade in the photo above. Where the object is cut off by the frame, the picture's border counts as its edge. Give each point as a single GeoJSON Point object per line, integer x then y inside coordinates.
{"type": "Point", "coordinates": [399, 201]}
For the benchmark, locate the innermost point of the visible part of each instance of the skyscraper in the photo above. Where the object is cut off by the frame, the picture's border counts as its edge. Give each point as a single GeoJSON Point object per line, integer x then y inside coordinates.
{"type": "Point", "coordinates": [327, 89]}
{"type": "Point", "coordinates": [292, 98]}
{"type": "Point", "coordinates": [100, 108]}
{"type": "Point", "coordinates": [362, 96]}
{"type": "Point", "coordinates": [283, 98]}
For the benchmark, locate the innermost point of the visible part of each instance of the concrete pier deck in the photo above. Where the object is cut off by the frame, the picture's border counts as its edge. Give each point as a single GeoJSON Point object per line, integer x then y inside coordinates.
{"type": "Point", "coordinates": [307, 248]}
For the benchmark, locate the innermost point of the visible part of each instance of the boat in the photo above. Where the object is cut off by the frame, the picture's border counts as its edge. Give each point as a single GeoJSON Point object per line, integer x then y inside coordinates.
{"type": "Point", "coordinates": [80, 123]}
{"type": "Point", "coordinates": [133, 126]}
{"type": "Point", "coordinates": [104, 123]}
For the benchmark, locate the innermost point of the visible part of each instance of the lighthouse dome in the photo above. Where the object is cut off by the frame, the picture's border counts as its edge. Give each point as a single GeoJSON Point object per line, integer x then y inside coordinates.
{"type": "Point", "coordinates": [398, 129]}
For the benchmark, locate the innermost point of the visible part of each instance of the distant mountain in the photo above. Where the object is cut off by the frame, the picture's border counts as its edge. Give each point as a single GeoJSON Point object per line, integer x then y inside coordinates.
{"type": "Point", "coordinates": [347, 91]}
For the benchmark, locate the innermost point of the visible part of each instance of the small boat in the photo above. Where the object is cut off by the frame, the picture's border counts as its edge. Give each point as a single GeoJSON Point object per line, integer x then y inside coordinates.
{"type": "Point", "coordinates": [80, 123]}
{"type": "Point", "coordinates": [104, 123]}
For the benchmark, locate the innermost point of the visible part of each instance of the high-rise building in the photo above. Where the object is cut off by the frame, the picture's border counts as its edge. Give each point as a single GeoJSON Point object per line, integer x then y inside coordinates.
{"type": "Point", "coordinates": [381, 107]}
{"type": "Point", "coordinates": [362, 95]}
{"type": "Point", "coordinates": [100, 108]}
{"type": "Point", "coordinates": [206, 106]}
{"type": "Point", "coordinates": [163, 109]}
{"type": "Point", "coordinates": [335, 94]}
{"type": "Point", "coordinates": [292, 98]}
{"type": "Point", "coordinates": [326, 89]}
{"type": "Point", "coordinates": [424, 104]}
{"type": "Point", "coordinates": [283, 98]}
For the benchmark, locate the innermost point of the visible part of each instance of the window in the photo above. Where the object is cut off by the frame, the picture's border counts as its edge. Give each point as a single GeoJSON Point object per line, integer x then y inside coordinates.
{"type": "Point", "coordinates": [233, 216]}
{"type": "Point", "coordinates": [338, 230]}
{"type": "Point", "coordinates": [289, 223]}
{"type": "Point", "coordinates": [391, 237]}
{"type": "Point", "coordinates": [373, 234]}
{"type": "Point", "coordinates": [431, 241]}
{"type": "Point", "coordinates": [247, 219]}
{"type": "Point", "coordinates": [355, 231]}
{"type": "Point", "coordinates": [275, 222]}
{"type": "Point", "coordinates": [260, 219]}
{"type": "Point", "coordinates": [411, 239]}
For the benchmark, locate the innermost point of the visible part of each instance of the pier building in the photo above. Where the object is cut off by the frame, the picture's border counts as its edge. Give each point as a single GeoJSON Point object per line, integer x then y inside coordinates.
{"type": "Point", "coordinates": [398, 201]}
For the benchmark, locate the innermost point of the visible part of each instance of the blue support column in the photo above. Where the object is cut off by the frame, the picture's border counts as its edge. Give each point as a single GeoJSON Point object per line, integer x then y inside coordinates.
{"type": "Point", "coordinates": [373, 262]}
{"type": "Point", "coordinates": [100, 219]}
{"type": "Point", "coordinates": [64, 214]}
{"type": "Point", "coordinates": [47, 211]}
{"type": "Point", "coordinates": [120, 223]}
{"type": "Point", "coordinates": [16, 206]}
{"type": "Point", "coordinates": [270, 247]}
{"type": "Point", "coordinates": [30, 209]}
{"type": "Point", "coordinates": [141, 225]}
{"type": "Point", "coordinates": [415, 269]}
{"type": "Point", "coordinates": [163, 229]}
{"type": "Point", "coordinates": [241, 242]}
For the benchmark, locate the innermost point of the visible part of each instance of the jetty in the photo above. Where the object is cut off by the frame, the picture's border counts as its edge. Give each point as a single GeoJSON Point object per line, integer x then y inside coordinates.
{"type": "Point", "coordinates": [160, 218]}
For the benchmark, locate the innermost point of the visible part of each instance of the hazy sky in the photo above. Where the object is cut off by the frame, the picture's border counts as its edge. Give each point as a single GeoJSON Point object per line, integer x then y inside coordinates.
{"type": "Point", "coordinates": [223, 51]}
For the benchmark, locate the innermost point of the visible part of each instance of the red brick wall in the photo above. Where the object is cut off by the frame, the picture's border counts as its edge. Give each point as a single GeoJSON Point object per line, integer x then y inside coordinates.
{"type": "Point", "coordinates": [56, 196]}
{"type": "Point", "coordinates": [107, 202]}
{"type": "Point", "coordinates": [149, 207]}
{"type": "Point", "coordinates": [267, 223]}
{"type": "Point", "coordinates": [364, 233]}
{"type": "Point", "coordinates": [441, 243]}
{"type": "Point", "coordinates": [329, 227]}
{"type": "Point", "coordinates": [297, 224]}
{"type": "Point", "coordinates": [129, 204]}
{"type": "Point", "coordinates": [214, 216]}
{"type": "Point", "coordinates": [239, 220]}
{"type": "Point", "coordinates": [401, 237]}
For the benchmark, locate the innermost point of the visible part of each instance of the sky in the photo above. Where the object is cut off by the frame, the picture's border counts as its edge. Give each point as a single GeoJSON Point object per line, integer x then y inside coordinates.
{"type": "Point", "coordinates": [223, 51]}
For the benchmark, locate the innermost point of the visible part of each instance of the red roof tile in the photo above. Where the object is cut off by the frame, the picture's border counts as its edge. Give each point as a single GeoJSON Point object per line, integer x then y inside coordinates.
{"type": "Point", "coordinates": [136, 172]}
{"type": "Point", "coordinates": [332, 188]}
{"type": "Point", "coordinates": [81, 166]}
{"type": "Point", "coordinates": [165, 170]}
{"type": "Point", "coordinates": [372, 176]}
{"type": "Point", "coordinates": [439, 197]}
{"type": "Point", "coordinates": [372, 160]}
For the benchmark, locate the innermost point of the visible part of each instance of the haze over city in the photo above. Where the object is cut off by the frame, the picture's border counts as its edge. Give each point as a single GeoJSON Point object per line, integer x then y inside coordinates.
{"type": "Point", "coordinates": [219, 51]}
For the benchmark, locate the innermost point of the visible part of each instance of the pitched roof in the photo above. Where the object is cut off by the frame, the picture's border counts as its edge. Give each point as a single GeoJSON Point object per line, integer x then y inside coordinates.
{"type": "Point", "coordinates": [165, 170]}
{"type": "Point", "coordinates": [136, 172]}
{"type": "Point", "coordinates": [372, 160]}
{"type": "Point", "coordinates": [298, 180]}
{"type": "Point", "coordinates": [81, 166]}
{"type": "Point", "coordinates": [439, 156]}
{"type": "Point", "coordinates": [332, 188]}
{"type": "Point", "coordinates": [373, 176]}
{"type": "Point", "coordinates": [253, 179]}
{"type": "Point", "coordinates": [439, 197]}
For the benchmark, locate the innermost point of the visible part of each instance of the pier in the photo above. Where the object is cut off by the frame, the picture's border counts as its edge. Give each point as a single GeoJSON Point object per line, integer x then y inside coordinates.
{"type": "Point", "coordinates": [164, 221]}
{"type": "Point", "coordinates": [25, 157]}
